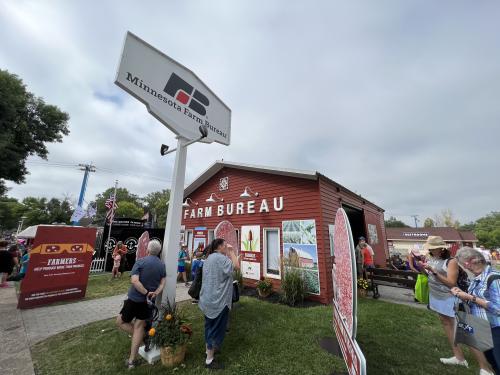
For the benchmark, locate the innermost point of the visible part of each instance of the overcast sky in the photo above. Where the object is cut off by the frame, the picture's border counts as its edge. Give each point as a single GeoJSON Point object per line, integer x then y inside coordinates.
{"type": "Point", "coordinates": [396, 100]}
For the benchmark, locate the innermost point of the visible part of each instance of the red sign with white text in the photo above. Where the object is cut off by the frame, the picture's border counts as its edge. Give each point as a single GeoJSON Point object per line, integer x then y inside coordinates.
{"type": "Point", "coordinates": [59, 265]}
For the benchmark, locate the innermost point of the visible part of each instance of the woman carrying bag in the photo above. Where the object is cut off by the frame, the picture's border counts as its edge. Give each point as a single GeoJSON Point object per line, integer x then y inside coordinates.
{"type": "Point", "coordinates": [483, 298]}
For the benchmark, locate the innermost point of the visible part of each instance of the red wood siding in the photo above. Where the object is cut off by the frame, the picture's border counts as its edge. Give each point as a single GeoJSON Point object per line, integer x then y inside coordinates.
{"type": "Point", "coordinates": [300, 199]}
{"type": "Point", "coordinates": [332, 197]}
{"type": "Point", "coordinates": [303, 199]}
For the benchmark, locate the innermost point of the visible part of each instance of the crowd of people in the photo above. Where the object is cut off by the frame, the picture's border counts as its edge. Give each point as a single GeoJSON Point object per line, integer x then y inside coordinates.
{"type": "Point", "coordinates": [14, 258]}
{"type": "Point", "coordinates": [468, 278]}
{"type": "Point", "coordinates": [217, 261]}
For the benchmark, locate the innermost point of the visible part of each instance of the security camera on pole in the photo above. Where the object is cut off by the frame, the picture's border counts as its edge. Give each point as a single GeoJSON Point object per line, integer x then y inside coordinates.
{"type": "Point", "coordinates": [176, 97]}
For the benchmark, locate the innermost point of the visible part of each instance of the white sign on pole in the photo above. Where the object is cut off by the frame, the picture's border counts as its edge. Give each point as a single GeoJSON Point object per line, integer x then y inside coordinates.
{"type": "Point", "coordinates": [172, 93]}
{"type": "Point", "coordinates": [184, 104]}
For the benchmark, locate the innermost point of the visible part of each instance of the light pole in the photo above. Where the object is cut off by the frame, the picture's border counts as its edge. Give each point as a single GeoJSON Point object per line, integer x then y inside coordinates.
{"type": "Point", "coordinates": [20, 226]}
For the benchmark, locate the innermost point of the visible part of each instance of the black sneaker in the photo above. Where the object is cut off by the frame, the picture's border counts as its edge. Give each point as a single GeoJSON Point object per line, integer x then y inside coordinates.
{"type": "Point", "coordinates": [214, 365]}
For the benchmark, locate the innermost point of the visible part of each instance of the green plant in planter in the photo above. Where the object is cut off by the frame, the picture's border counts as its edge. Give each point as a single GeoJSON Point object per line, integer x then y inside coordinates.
{"type": "Point", "coordinates": [293, 286]}
{"type": "Point", "coordinates": [238, 276]}
{"type": "Point", "coordinates": [265, 285]}
{"type": "Point", "coordinates": [172, 330]}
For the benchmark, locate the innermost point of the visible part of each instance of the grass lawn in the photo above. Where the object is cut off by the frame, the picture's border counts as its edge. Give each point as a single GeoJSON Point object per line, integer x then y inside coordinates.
{"type": "Point", "coordinates": [100, 285]}
{"type": "Point", "coordinates": [268, 339]}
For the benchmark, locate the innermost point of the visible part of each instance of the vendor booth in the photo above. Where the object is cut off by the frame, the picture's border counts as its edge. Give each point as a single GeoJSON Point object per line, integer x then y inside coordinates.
{"type": "Point", "coordinates": [279, 214]}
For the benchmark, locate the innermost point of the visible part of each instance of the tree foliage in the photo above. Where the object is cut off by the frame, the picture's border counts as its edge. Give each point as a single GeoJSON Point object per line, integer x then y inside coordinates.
{"type": "Point", "coordinates": [446, 219]}
{"type": "Point", "coordinates": [35, 210]}
{"type": "Point", "coordinates": [392, 222]}
{"type": "Point", "coordinates": [157, 206]}
{"type": "Point", "coordinates": [129, 210]}
{"type": "Point", "coordinates": [128, 204]}
{"type": "Point", "coordinates": [27, 123]}
{"type": "Point", "coordinates": [487, 230]}
{"type": "Point", "coordinates": [429, 223]}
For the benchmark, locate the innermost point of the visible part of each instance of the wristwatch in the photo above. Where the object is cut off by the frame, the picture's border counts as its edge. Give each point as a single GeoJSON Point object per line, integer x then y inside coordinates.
{"type": "Point", "coordinates": [474, 299]}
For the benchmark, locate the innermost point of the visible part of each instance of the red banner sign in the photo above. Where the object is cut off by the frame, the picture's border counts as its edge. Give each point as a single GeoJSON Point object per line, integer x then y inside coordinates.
{"type": "Point", "coordinates": [59, 265]}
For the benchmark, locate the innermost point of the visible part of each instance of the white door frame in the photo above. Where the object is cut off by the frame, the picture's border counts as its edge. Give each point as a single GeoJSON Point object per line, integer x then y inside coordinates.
{"type": "Point", "coordinates": [187, 239]}
{"type": "Point", "coordinates": [264, 252]}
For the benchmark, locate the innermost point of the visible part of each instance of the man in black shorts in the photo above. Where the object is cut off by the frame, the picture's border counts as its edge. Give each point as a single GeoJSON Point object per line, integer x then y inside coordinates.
{"type": "Point", "coordinates": [148, 280]}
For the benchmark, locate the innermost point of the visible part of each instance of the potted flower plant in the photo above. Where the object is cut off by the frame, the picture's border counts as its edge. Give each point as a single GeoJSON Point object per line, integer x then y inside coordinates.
{"type": "Point", "coordinates": [171, 334]}
{"type": "Point", "coordinates": [362, 287]}
{"type": "Point", "coordinates": [264, 287]}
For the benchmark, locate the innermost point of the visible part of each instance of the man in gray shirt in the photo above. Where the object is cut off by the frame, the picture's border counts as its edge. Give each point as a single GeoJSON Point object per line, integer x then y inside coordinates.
{"type": "Point", "coordinates": [148, 280]}
{"type": "Point", "coordinates": [216, 296]}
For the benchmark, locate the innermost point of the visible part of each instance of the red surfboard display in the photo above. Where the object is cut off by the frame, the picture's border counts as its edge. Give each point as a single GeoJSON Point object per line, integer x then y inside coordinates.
{"type": "Point", "coordinates": [227, 231]}
{"type": "Point", "coordinates": [59, 265]}
{"type": "Point", "coordinates": [142, 246]}
{"type": "Point", "coordinates": [345, 295]}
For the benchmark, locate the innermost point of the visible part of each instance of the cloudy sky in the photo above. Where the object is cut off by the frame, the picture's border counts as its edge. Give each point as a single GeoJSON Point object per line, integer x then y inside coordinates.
{"type": "Point", "coordinates": [396, 100]}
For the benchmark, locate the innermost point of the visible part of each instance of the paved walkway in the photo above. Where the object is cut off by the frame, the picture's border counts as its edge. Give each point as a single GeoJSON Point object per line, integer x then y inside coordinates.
{"type": "Point", "coordinates": [398, 295]}
{"type": "Point", "coordinates": [43, 322]}
{"type": "Point", "coordinates": [15, 355]}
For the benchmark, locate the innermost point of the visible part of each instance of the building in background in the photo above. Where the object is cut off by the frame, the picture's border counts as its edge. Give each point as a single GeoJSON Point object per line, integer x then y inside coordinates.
{"type": "Point", "coordinates": [402, 240]}
{"type": "Point", "coordinates": [280, 215]}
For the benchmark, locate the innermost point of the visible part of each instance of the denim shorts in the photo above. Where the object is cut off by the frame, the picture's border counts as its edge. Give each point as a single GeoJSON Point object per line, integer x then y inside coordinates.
{"type": "Point", "coordinates": [215, 329]}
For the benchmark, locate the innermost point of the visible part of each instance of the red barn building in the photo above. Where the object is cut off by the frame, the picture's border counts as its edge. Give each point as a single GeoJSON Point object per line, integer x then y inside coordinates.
{"type": "Point", "coordinates": [279, 214]}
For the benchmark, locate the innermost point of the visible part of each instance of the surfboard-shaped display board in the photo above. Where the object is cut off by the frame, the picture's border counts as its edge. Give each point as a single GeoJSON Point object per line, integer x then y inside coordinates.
{"type": "Point", "coordinates": [142, 245]}
{"type": "Point", "coordinates": [227, 231]}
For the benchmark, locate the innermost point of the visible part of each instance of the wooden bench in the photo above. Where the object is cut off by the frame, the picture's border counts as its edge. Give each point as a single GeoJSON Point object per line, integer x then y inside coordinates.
{"type": "Point", "coordinates": [391, 277]}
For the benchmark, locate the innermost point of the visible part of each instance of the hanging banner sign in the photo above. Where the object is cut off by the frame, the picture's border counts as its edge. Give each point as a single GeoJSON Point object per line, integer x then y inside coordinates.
{"type": "Point", "coordinates": [345, 295]}
{"type": "Point", "coordinates": [59, 265]}
{"type": "Point", "coordinates": [172, 93]}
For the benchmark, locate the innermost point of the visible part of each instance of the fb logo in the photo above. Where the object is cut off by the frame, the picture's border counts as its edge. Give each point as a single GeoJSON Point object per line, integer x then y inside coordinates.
{"type": "Point", "coordinates": [183, 92]}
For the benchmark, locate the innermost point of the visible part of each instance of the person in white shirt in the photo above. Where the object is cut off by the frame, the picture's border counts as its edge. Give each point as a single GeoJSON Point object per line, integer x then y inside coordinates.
{"type": "Point", "coordinates": [486, 254]}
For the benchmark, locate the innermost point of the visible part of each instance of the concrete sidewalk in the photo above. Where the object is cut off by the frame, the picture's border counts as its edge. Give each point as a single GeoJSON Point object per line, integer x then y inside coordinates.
{"type": "Point", "coordinates": [15, 355]}
{"type": "Point", "coordinates": [43, 322]}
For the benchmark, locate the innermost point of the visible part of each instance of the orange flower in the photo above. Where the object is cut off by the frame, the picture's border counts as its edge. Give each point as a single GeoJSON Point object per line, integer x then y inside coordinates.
{"type": "Point", "coordinates": [168, 317]}
{"type": "Point", "coordinates": [152, 332]}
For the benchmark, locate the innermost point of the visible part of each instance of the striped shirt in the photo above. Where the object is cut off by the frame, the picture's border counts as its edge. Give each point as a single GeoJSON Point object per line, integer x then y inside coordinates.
{"type": "Point", "coordinates": [478, 288]}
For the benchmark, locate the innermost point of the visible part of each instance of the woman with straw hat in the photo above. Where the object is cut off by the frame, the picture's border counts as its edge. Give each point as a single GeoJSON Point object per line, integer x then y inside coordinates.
{"type": "Point", "coordinates": [443, 275]}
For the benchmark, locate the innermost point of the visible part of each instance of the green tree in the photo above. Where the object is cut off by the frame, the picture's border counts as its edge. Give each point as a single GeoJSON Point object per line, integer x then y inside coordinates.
{"type": "Point", "coordinates": [157, 205]}
{"type": "Point", "coordinates": [129, 210]}
{"type": "Point", "coordinates": [487, 230]}
{"type": "Point", "coordinates": [392, 222]}
{"type": "Point", "coordinates": [429, 223]}
{"type": "Point", "coordinates": [10, 213]}
{"type": "Point", "coordinates": [27, 123]}
{"type": "Point", "coordinates": [446, 219]}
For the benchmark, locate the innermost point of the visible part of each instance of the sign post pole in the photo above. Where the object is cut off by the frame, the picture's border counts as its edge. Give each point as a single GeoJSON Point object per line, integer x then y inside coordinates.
{"type": "Point", "coordinates": [172, 237]}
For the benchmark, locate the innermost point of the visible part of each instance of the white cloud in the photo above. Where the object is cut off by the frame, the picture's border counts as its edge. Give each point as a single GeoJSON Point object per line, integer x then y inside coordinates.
{"type": "Point", "coordinates": [395, 101]}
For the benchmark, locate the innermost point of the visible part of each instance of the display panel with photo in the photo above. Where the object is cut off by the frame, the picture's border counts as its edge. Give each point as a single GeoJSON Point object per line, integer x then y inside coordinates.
{"type": "Point", "coordinates": [300, 250]}
{"type": "Point", "coordinates": [250, 238]}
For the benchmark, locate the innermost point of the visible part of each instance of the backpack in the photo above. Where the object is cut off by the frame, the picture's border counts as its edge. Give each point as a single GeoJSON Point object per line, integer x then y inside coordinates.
{"type": "Point", "coordinates": [492, 277]}
{"type": "Point", "coordinates": [195, 288]}
{"type": "Point", "coordinates": [463, 281]}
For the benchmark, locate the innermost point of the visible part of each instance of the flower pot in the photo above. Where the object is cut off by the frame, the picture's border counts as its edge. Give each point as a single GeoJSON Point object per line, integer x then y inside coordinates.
{"type": "Point", "coordinates": [173, 356]}
{"type": "Point", "coordinates": [362, 292]}
{"type": "Point", "coordinates": [264, 294]}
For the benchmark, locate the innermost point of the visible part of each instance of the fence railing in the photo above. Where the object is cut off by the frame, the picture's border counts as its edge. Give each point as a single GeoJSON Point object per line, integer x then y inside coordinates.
{"type": "Point", "coordinates": [97, 265]}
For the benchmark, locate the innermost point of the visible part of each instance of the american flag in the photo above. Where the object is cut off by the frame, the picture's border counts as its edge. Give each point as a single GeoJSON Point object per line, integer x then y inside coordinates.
{"type": "Point", "coordinates": [111, 206]}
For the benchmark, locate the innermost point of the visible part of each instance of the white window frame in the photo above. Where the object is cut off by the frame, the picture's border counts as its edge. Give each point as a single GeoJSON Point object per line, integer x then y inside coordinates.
{"type": "Point", "coordinates": [212, 232]}
{"type": "Point", "coordinates": [189, 245]}
{"type": "Point", "coordinates": [264, 253]}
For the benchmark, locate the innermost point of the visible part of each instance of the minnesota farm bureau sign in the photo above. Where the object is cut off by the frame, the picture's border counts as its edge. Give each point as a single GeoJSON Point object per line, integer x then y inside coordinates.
{"type": "Point", "coordinates": [172, 93]}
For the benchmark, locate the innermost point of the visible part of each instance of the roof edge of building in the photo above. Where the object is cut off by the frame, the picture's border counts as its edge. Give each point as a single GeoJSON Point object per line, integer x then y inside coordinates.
{"type": "Point", "coordinates": [298, 173]}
